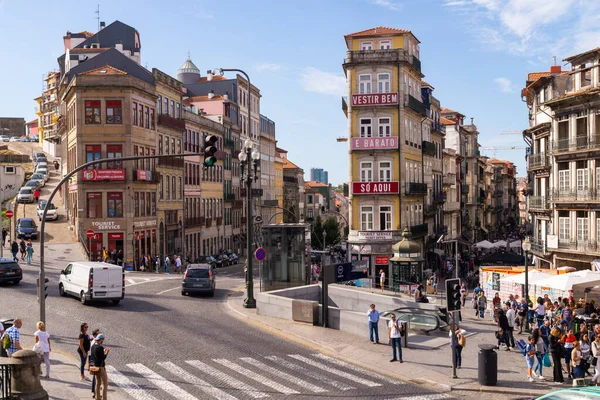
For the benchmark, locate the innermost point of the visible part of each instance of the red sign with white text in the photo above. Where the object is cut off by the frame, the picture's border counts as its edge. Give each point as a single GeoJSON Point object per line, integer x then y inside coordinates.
{"type": "Point", "coordinates": [115, 236]}
{"type": "Point", "coordinates": [382, 260]}
{"type": "Point", "coordinates": [374, 143]}
{"type": "Point", "coordinates": [374, 99]}
{"type": "Point", "coordinates": [375, 187]}
{"type": "Point", "coordinates": [103, 175]}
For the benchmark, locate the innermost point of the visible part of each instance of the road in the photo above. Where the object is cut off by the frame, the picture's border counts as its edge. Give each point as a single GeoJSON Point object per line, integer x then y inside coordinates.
{"type": "Point", "coordinates": [164, 345]}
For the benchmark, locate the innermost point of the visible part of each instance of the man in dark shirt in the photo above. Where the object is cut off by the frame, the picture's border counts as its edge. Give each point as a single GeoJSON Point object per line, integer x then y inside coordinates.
{"type": "Point", "coordinates": [98, 354]}
{"type": "Point", "coordinates": [504, 327]}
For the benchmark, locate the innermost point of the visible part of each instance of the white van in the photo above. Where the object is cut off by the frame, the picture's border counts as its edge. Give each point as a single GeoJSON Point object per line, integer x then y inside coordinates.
{"type": "Point", "coordinates": [92, 281]}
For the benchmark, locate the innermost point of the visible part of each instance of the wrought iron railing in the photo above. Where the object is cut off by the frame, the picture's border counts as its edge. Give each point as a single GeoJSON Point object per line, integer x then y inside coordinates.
{"type": "Point", "coordinates": [576, 144]}
{"type": "Point", "coordinates": [5, 388]}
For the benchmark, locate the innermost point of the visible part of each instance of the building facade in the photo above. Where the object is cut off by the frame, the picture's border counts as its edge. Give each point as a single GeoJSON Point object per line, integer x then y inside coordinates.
{"type": "Point", "coordinates": [49, 115]}
{"type": "Point", "coordinates": [319, 174]}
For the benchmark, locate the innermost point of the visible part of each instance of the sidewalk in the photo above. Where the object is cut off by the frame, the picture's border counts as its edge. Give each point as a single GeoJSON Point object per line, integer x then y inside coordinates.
{"type": "Point", "coordinates": [431, 368]}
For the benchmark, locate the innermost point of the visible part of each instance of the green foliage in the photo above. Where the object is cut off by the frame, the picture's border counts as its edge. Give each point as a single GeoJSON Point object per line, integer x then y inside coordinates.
{"type": "Point", "coordinates": [332, 229]}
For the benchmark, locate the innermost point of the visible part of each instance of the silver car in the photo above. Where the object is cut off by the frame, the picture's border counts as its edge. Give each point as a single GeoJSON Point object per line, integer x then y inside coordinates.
{"type": "Point", "coordinates": [38, 178]}
{"type": "Point", "coordinates": [43, 172]}
{"type": "Point", "coordinates": [25, 195]}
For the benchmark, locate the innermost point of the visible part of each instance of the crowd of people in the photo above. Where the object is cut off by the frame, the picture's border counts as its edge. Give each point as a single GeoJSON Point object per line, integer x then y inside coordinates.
{"type": "Point", "coordinates": [565, 334]}
{"type": "Point", "coordinates": [146, 262]}
{"type": "Point", "coordinates": [90, 349]}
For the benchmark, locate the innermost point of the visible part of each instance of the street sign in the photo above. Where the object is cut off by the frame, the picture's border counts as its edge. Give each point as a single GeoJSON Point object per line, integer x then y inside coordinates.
{"type": "Point", "coordinates": [9, 213]}
{"type": "Point", "coordinates": [89, 233]}
{"type": "Point", "coordinates": [260, 254]}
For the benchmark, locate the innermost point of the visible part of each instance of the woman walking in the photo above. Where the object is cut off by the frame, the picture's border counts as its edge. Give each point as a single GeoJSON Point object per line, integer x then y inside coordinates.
{"type": "Point", "coordinates": [586, 351]}
{"type": "Point", "coordinates": [95, 334]}
{"type": "Point", "coordinates": [556, 350]}
{"type": "Point", "coordinates": [83, 348]}
{"type": "Point", "coordinates": [569, 341]}
{"type": "Point", "coordinates": [539, 354]}
{"type": "Point", "coordinates": [576, 361]}
{"type": "Point", "coordinates": [29, 251]}
{"type": "Point", "coordinates": [458, 344]}
{"type": "Point", "coordinates": [482, 304]}
{"type": "Point", "coordinates": [43, 337]}
{"type": "Point", "coordinates": [596, 354]}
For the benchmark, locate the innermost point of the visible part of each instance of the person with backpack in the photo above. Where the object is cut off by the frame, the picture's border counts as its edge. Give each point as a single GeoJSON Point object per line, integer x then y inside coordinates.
{"type": "Point", "coordinates": [556, 350]}
{"type": "Point", "coordinates": [395, 333]}
{"type": "Point", "coordinates": [458, 344]}
{"type": "Point", "coordinates": [11, 339]}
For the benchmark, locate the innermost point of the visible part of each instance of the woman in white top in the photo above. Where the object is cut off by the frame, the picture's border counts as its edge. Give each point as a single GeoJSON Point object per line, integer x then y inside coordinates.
{"type": "Point", "coordinates": [540, 310]}
{"type": "Point", "coordinates": [596, 353]}
{"type": "Point", "coordinates": [586, 351]}
{"type": "Point", "coordinates": [44, 338]}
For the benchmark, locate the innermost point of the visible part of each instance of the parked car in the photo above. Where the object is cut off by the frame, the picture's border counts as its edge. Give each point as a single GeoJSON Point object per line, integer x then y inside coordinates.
{"type": "Point", "coordinates": [4, 138]}
{"type": "Point", "coordinates": [218, 261]}
{"type": "Point", "coordinates": [35, 138]}
{"type": "Point", "coordinates": [33, 184]}
{"type": "Point", "coordinates": [572, 393]}
{"type": "Point", "coordinates": [91, 281]}
{"type": "Point", "coordinates": [25, 139]}
{"type": "Point", "coordinates": [51, 215]}
{"type": "Point", "coordinates": [38, 178]}
{"type": "Point", "coordinates": [198, 278]}
{"type": "Point", "coordinates": [44, 172]}
{"type": "Point", "coordinates": [25, 195]}
{"type": "Point", "coordinates": [10, 272]}
{"type": "Point", "coordinates": [26, 228]}
{"type": "Point", "coordinates": [13, 139]}
{"type": "Point", "coordinates": [41, 163]}
{"type": "Point", "coordinates": [37, 155]}
{"type": "Point", "coordinates": [233, 258]}
{"type": "Point", "coordinates": [226, 260]}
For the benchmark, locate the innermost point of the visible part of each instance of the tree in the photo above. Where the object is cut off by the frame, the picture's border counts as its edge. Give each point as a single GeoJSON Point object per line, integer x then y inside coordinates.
{"type": "Point", "coordinates": [316, 234]}
{"type": "Point", "coordinates": [332, 227]}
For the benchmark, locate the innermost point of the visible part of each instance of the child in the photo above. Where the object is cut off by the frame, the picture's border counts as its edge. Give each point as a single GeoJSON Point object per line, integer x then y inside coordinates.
{"type": "Point", "coordinates": [530, 357]}
{"type": "Point", "coordinates": [569, 341]}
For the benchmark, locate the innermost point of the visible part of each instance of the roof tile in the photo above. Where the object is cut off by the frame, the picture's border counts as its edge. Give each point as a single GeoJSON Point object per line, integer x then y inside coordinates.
{"type": "Point", "coordinates": [378, 30]}
{"type": "Point", "coordinates": [446, 121]}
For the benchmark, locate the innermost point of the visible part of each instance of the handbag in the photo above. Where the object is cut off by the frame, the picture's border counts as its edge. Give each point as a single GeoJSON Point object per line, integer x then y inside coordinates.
{"type": "Point", "coordinates": [94, 370]}
{"type": "Point", "coordinates": [546, 362]}
{"type": "Point", "coordinates": [38, 348]}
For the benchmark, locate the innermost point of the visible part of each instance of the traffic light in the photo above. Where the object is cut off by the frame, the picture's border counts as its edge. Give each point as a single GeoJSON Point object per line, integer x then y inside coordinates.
{"type": "Point", "coordinates": [45, 287]}
{"type": "Point", "coordinates": [210, 150]}
{"type": "Point", "coordinates": [453, 294]}
{"type": "Point", "coordinates": [323, 210]}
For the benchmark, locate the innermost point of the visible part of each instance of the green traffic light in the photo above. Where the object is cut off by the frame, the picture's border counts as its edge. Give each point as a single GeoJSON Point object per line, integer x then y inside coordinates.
{"type": "Point", "coordinates": [210, 161]}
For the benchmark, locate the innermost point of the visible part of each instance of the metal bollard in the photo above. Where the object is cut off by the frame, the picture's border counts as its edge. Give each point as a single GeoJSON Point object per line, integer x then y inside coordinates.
{"type": "Point", "coordinates": [406, 329]}
{"type": "Point", "coordinates": [25, 375]}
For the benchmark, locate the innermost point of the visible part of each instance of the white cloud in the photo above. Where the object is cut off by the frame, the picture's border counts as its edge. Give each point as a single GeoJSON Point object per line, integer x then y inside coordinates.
{"type": "Point", "coordinates": [389, 4]}
{"type": "Point", "coordinates": [268, 67]}
{"type": "Point", "coordinates": [531, 27]}
{"type": "Point", "coordinates": [315, 80]}
{"type": "Point", "coordinates": [505, 85]}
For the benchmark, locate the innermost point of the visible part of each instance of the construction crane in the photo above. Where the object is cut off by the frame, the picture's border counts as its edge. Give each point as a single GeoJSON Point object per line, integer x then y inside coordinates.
{"type": "Point", "coordinates": [495, 149]}
{"type": "Point", "coordinates": [515, 132]}
{"type": "Point", "coordinates": [342, 139]}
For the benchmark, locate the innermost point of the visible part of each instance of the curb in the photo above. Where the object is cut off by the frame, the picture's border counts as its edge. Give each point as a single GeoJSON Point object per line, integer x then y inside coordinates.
{"type": "Point", "coordinates": [315, 346]}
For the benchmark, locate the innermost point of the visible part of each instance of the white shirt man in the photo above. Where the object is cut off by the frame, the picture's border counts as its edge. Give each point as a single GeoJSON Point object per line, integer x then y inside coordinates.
{"type": "Point", "coordinates": [178, 263]}
{"type": "Point", "coordinates": [394, 337]}
{"type": "Point", "coordinates": [510, 315]}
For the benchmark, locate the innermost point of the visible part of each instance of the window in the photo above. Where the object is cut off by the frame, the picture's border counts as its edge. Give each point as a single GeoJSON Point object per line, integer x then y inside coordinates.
{"type": "Point", "coordinates": [152, 122]}
{"type": "Point", "coordinates": [167, 145]}
{"type": "Point", "coordinates": [310, 199]}
{"type": "Point", "coordinates": [147, 117]}
{"type": "Point", "coordinates": [153, 204]}
{"type": "Point", "coordinates": [94, 205]}
{"type": "Point", "coordinates": [385, 44]}
{"type": "Point", "coordinates": [180, 188]}
{"type": "Point", "coordinates": [92, 153]}
{"type": "Point", "coordinates": [160, 144]}
{"type": "Point", "coordinates": [384, 127]}
{"type": "Point", "coordinates": [113, 112]}
{"type": "Point", "coordinates": [364, 84]}
{"type": "Point", "coordinates": [148, 205]}
{"type": "Point", "coordinates": [385, 218]}
{"type": "Point", "coordinates": [563, 181]}
{"type": "Point", "coordinates": [134, 113]}
{"type": "Point", "coordinates": [309, 213]}
{"type": "Point", "coordinates": [564, 229]}
{"type": "Point", "coordinates": [366, 172]}
{"type": "Point", "coordinates": [92, 112]}
{"type": "Point", "coordinates": [385, 171]}
{"type": "Point", "coordinates": [172, 113]}
{"type": "Point", "coordinates": [165, 109]}
{"type": "Point", "coordinates": [174, 188]}
{"type": "Point", "coordinates": [582, 181]}
{"type": "Point", "coordinates": [168, 191]}
{"type": "Point", "coordinates": [142, 204]}
{"type": "Point", "coordinates": [141, 115]}
{"type": "Point", "coordinates": [178, 111]}
{"type": "Point", "coordinates": [136, 197]}
{"type": "Point", "coordinates": [383, 83]}
{"type": "Point", "coordinates": [159, 105]}
{"type": "Point", "coordinates": [366, 45]}
{"type": "Point", "coordinates": [115, 204]}
{"type": "Point", "coordinates": [366, 218]}
{"type": "Point", "coordinates": [365, 127]}
{"type": "Point", "coordinates": [582, 228]}
{"type": "Point", "coordinates": [161, 193]}
{"type": "Point", "coordinates": [114, 151]}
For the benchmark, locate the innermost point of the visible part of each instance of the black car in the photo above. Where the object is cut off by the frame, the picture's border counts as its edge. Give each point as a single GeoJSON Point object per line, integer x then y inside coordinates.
{"type": "Point", "coordinates": [10, 271]}
{"type": "Point", "coordinates": [218, 261]}
{"type": "Point", "coordinates": [26, 228]}
{"type": "Point", "coordinates": [198, 278]}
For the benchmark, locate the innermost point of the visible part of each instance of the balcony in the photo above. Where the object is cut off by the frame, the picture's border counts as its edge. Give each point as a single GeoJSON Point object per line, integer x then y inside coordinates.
{"type": "Point", "coordinates": [208, 222]}
{"type": "Point", "coordinates": [237, 204]}
{"type": "Point", "coordinates": [439, 198]}
{"type": "Point", "coordinates": [586, 195]}
{"type": "Point", "coordinates": [145, 176]}
{"type": "Point", "coordinates": [416, 105]}
{"type": "Point", "coordinates": [429, 148]}
{"type": "Point", "coordinates": [228, 143]}
{"type": "Point", "coordinates": [194, 222]}
{"type": "Point", "coordinates": [449, 179]}
{"type": "Point", "coordinates": [464, 188]}
{"type": "Point", "coordinates": [388, 56]}
{"type": "Point", "coordinates": [255, 192]}
{"type": "Point", "coordinates": [451, 206]}
{"type": "Point", "coordinates": [538, 161]}
{"type": "Point", "coordinates": [416, 63]}
{"type": "Point", "coordinates": [173, 162]}
{"type": "Point", "coordinates": [538, 246]}
{"type": "Point", "coordinates": [580, 143]}
{"type": "Point", "coordinates": [229, 196]}
{"type": "Point", "coordinates": [583, 246]}
{"type": "Point", "coordinates": [290, 179]}
{"type": "Point", "coordinates": [170, 122]}
{"type": "Point", "coordinates": [270, 203]}
{"type": "Point", "coordinates": [414, 188]}
{"type": "Point", "coordinates": [419, 231]}
{"type": "Point", "coordinates": [438, 127]}
{"type": "Point", "coordinates": [473, 152]}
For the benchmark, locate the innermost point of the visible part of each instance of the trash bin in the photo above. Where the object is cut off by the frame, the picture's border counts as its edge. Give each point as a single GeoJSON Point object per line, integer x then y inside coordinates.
{"type": "Point", "coordinates": [488, 365]}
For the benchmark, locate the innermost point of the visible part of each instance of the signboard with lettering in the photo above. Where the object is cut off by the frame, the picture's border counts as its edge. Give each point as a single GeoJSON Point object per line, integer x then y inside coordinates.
{"type": "Point", "coordinates": [495, 281]}
{"type": "Point", "coordinates": [381, 260]}
{"type": "Point", "coordinates": [103, 175]}
{"type": "Point", "coordinates": [374, 143]}
{"type": "Point", "coordinates": [144, 175]}
{"type": "Point", "coordinates": [115, 236]}
{"type": "Point", "coordinates": [106, 225]}
{"type": "Point", "coordinates": [375, 235]}
{"type": "Point", "coordinates": [374, 99]}
{"type": "Point", "coordinates": [142, 224]}
{"type": "Point", "coordinates": [375, 187]}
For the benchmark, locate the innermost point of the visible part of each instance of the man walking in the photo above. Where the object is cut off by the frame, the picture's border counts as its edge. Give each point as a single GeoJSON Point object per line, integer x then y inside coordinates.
{"type": "Point", "coordinates": [373, 315]}
{"type": "Point", "coordinates": [394, 337]}
{"type": "Point", "coordinates": [4, 235]}
{"type": "Point", "coordinates": [178, 264]}
{"type": "Point", "coordinates": [157, 263]}
{"type": "Point", "coordinates": [29, 252]}
{"type": "Point", "coordinates": [23, 248]}
{"type": "Point", "coordinates": [381, 279]}
{"type": "Point", "coordinates": [14, 249]}
{"type": "Point", "coordinates": [15, 337]}
{"type": "Point", "coordinates": [167, 262]}
{"type": "Point", "coordinates": [511, 316]}
{"type": "Point", "coordinates": [98, 354]}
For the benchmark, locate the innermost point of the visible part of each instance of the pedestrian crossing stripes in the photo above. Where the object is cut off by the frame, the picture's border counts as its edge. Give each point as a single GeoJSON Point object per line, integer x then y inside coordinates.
{"type": "Point", "coordinates": [254, 377]}
{"type": "Point", "coordinates": [436, 396]}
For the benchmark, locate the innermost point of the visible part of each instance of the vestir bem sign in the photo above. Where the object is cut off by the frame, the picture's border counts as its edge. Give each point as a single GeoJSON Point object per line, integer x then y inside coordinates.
{"type": "Point", "coordinates": [375, 187]}
{"type": "Point", "coordinates": [374, 99]}
{"type": "Point", "coordinates": [374, 143]}
{"type": "Point", "coordinates": [103, 175]}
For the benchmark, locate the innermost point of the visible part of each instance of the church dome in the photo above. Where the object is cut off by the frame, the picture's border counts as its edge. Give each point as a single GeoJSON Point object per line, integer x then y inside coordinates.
{"type": "Point", "coordinates": [188, 72]}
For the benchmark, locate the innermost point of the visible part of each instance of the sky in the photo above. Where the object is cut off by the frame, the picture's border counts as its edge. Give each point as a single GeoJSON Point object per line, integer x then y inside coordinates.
{"type": "Point", "coordinates": [475, 53]}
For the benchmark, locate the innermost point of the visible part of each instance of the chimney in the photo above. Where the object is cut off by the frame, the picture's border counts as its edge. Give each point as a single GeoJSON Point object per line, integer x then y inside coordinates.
{"type": "Point", "coordinates": [102, 25]}
{"type": "Point", "coordinates": [211, 94]}
{"type": "Point", "coordinates": [226, 96]}
{"type": "Point", "coordinates": [209, 75]}
{"type": "Point", "coordinates": [119, 45]}
{"type": "Point", "coordinates": [555, 69]}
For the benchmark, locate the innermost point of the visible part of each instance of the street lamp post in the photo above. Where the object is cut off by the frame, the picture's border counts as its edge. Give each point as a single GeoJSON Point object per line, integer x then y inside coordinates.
{"type": "Point", "coordinates": [526, 245]}
{"type": "Point", "coordinates": [324, 236]}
